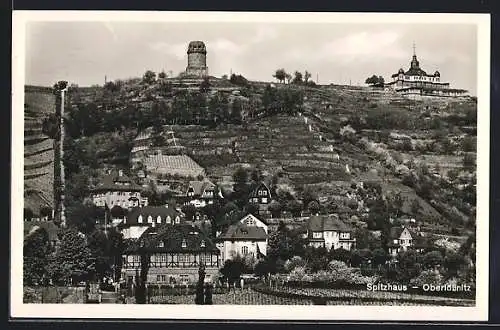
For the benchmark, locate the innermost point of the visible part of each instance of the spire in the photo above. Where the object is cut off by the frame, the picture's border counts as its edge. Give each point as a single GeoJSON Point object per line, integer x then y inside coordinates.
{"type": "Point", "coordinates": [414, 62]}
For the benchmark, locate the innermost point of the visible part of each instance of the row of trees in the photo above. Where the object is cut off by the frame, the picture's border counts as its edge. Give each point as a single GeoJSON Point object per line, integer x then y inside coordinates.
{"type": "Point", "coordinates": [281, 76]}
{"type": "Point", "coordinates": [75, 258]}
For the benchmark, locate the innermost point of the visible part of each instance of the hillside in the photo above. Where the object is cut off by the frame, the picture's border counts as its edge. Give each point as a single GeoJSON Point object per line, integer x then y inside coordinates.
{"type": "Point", "coordinates": [38, 150]}
{"type": "Point", "coordinates": [333, 139]}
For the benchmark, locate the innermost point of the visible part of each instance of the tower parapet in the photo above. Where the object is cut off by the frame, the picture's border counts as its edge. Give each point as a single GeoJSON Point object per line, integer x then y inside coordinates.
{"type": "Point", "coordinates": [197, 59]}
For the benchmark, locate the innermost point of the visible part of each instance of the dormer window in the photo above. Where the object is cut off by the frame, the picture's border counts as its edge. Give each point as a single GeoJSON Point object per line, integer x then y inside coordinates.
{"type": "Point", "coordinates": [150, 219]}
{"type": "Point", "coordinates": [161, 244]}
{"type": "Point", "coordinates": [177, 220]}
{"type": "Point", "coordinates": [202, 244]}
{"type": "Point", "coordinates": [169, 220]}
{"type": "Point", "coordinates": [184, 243]}
{"type": "Point", "coordinates": [139, 219]}
{"type": "Point", "coordinates": [158, 219]}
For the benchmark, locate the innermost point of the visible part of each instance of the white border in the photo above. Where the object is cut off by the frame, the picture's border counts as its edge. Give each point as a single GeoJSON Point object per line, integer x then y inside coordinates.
{"type": "Point", "coordinates": [264, 312]}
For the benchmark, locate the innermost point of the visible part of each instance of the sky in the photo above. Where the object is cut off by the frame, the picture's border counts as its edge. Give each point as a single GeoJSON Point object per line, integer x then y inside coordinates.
{"type": "Point", "coordinates": [84, 53]}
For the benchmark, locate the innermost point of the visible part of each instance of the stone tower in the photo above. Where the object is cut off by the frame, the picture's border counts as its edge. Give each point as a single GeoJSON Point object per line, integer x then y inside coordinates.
{"type": "Point", "coordinates": [197, 59]}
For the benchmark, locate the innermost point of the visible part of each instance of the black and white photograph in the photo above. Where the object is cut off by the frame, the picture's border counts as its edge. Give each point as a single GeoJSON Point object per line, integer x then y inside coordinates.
{"type": "Point", "coordinates": [335, 162]}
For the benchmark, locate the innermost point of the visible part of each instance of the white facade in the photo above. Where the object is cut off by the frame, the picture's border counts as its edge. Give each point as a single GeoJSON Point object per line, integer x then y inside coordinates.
{"type": "Point", "coordinates": [120, 198]}
{"type": "Point", "coordinates": [133, 231]}
{"type": "Point", "coordinates": [229, 249]}
{"type": "Point", "coordinates": [251, 220]}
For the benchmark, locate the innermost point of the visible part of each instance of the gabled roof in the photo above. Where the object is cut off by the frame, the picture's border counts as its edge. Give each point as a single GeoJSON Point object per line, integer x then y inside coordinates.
{"type": "Point", "coordinates": [327, 223]}
{"type": "Point", "coordinates": [261, 186]}
{"type": "Point", "coordinates": [242, 232]}
{"type": "Point", "coordinates": [115, 182]}
{"type": "Point", "coordinates": [154, 212]}
{"type": "Point", "coordinates": [173, 237]}
{"type": "Point", "coordinates": [199, 187]}
{"type": "Point", "coordinates": [396, 232]}
{"type": "Point", "coordinates": [255, 217]}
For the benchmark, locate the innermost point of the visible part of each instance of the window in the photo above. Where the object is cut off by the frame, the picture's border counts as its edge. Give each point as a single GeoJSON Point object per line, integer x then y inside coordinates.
{"type": "Point", "coordinates": [184, 279]}
{"type": "Point", "coordinates": [205, 259]}
{"type": "Point", "coordinates": [264, 192]}
{"type": "Point", "coordinates": [184, 243]}
{"type": "Point", "coordinates": [250, 222]}
{"type": "Point", "coordinates": [264, 199]}
{"type": "Point", "coordinates": [139, 219]}
{"type": "Point", "coordinates": [183, 257]}
{"type": "Point", "coordinates": [202, 244]}
{"type": "Point", "coordinates": [158, 219]}
{"type": "Point", "coordinates": [161, 278]}
{"type": "Point", "coordinates": [317, 234]}
{"type": "Point", "coordinates": [344, 235]}
{"type": "Point", "coordinates": [161, 244]}
{"type": "Point", "coordinates": [177, 219]}
{"type": "Point", "coordinates": [255, 200]}
{"type": "Point", "coordinates": [150, 219]}
{"type": "Point", "coordinates": [259, 193]}
{"type": "Point", "coordinates": [244, 250]}
{"type": "Point", "coordinates": [169, 220]}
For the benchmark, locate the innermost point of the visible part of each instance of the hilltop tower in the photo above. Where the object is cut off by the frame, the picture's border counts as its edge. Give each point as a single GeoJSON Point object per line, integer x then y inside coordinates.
{"type": "Point", "coordinates": [197, 59]}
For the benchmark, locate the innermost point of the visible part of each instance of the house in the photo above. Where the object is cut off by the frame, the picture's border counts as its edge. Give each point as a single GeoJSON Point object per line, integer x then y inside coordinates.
{"type": "Point", "coordinates": [201, 193]}
{"type": "Point", "coordinates": [247, 237]}
{"type": "Point", "coordinates": [403, 238]}
{"type": "Point", "coordinates": [174, 253]}
{"type": "Point", "coordinates": [261, 198]}
{"type": "Point", "coordinates": [140, 219]}
{"type": "Point", "coordinates": [330, 232]}
{"type": "Point", "coordinates": [118, 189]}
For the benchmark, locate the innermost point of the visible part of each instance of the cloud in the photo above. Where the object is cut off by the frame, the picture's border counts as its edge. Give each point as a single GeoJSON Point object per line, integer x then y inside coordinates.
{"type": "Point", "coordinates": [264, 33]}
{"type": "Point", "coordinates": [178, 50]}
{"type": "Point", "coordinates": [361, 46]}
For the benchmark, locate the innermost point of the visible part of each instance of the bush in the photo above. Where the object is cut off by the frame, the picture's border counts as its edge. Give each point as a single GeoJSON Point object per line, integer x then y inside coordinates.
{"type": "Point", "coordinates": [294, 262]}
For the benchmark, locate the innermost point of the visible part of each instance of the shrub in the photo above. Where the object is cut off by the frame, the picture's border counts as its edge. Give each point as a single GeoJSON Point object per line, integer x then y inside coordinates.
{"type": "Point", "coordinates": [428, 277]}
{"type": "Point", "coordinates": [294, 262]}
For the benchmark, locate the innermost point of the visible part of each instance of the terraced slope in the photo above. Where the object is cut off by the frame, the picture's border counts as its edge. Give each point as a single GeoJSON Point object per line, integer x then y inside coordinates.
{"type": "Point", "coordinates": [38, 149]}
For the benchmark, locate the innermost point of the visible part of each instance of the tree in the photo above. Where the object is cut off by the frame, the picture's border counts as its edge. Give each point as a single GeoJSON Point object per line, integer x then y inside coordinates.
{"type": "Point", "coordinates": [280, 75]}
{"type": "Point", "coordinates": [307, 75]}
{"type": "Point", "coordinates": [208, 295]}
{"type": "Point", "coordinates": [240, 187]}
{"type": "Point", "coordinates": [432, 259]}
{"type": "Point", "coordinates": [468, 144]}
{"type": "Point", "coordinates": [380, 257]}
{"type": "Point", "coordinates": [453, 261]}
{"type": "Point", "coordinates": [375, 81]}
{"type": "Point", "coordinates": [297, 79]}
{"type": "Point", "coordinates": [36, 252]}
{"type": "Point", "coordinates": [199, 299]}
{"type": "Point", "coordinates": [162, 75]}
{"type": "Point", "coordinates": [295, 207]}
{"type": "Point", "coordinates": [409, 265]}
{"type": "Point", "coordinates": [288, 78]}
{"type": "Point", "coordinates": [275, 209]}
{"type": "Point", "coordinates": [280, 243]}
{"type": "Point", "coordinates": [149, 77]}
{"type": "Point", "coordinates": [340, 255]}
{"type": "Point", "coordinates": [73, 261]}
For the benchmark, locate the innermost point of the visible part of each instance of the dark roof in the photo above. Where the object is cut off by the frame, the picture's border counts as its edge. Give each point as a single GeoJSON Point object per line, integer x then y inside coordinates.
{"type": "Point", "coordinates": [115, 182]}
{"type": "Point", "coordinates": [49, 226]}
{"type": "Point", "coordinates": [200, 186]}
{"type": "Point", "coordinates": [327, 223]}
{"type": "Point", "coordinates": [154, 212]}
{"type": "Point", "coordinates": [243, 232]}
{"type": "Point", "coordinates": [260, 186]}
{"type": "Point", "coordinates": [35, 200]}
{"type": "Point", "coordinates": [172, 237]}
